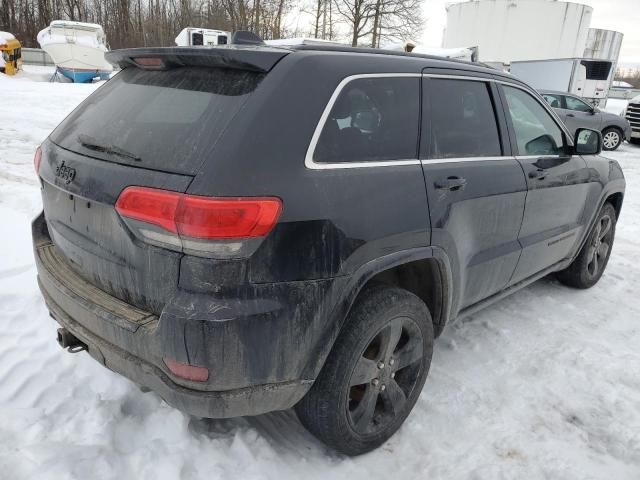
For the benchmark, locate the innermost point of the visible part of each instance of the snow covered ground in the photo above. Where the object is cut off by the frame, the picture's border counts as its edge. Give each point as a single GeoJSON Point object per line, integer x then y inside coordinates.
{"type": "Point", "coordinates": [543, 385]}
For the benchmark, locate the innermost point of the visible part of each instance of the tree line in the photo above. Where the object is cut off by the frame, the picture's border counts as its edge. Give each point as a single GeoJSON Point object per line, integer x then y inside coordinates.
{"type": "Point", "coordinates": [631, 76]}
{"type": "Point", "coordinates": [136, 23]}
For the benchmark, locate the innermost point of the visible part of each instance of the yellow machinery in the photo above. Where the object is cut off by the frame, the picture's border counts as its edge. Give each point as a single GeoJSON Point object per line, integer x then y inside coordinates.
{"type": "Point", "coordinates": [11, 52]}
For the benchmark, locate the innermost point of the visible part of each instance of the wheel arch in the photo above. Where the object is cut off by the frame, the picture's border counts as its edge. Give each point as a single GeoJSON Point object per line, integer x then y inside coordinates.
{"type": "Point", "coordinates": [615, 199]}
{"type": "Point", "coordinates": [425, 272]}
{"type": "Point", "coordinates": [614, 194]}
{"type": "Point", "coordinates": [405, 269]}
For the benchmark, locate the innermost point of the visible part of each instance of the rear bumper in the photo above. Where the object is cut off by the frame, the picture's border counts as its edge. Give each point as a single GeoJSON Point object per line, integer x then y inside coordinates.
{"type": "Point", "coordinates": [257, 349]}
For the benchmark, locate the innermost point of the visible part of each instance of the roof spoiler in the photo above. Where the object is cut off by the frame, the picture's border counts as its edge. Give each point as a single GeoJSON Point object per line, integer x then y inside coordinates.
{"type": "Point", "coordinates": [245, 56]}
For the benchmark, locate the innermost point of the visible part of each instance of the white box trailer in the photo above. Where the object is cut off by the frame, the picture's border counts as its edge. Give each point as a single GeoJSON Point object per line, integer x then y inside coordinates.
{"type": "Point", "coordinates": [193, 36]}
{"type": "Point", "coordinates": [585, 77]}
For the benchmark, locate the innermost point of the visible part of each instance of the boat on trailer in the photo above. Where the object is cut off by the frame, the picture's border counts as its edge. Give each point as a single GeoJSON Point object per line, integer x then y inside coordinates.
{"type": "Point", "coordinates": [77, 49]}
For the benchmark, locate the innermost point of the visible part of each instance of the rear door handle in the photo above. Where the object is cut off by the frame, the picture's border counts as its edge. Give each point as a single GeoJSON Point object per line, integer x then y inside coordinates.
{"type": "Point", "coordinates": [453, 184]}
{"type": "Point", "coordinates": [570, 115]}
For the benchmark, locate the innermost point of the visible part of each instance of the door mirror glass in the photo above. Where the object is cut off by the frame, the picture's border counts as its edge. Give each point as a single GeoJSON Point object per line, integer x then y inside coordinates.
{"type": "Point", "coordinates": [588, 142]}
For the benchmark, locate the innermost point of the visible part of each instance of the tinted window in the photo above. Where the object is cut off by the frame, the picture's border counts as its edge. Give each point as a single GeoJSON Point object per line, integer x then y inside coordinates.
{"type": "Point", "coordinates": [463, 122]}
{"type": "Point", "coordinates": [577, 105]}
{"type": "Point", "coordinates": [373, 119]}
{"type": "Point", "coordinates": [168, 120]}
{"type": "Point", "coordinates": [555, 101]}
{"type": "Point", "coordinates": [536, 132]}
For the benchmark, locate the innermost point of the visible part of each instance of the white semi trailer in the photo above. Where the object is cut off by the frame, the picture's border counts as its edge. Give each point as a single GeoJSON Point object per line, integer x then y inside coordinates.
{"type": "Point", "coordinates": [193, 36]}
{"type": "Point", "coordinates": [585, 77]}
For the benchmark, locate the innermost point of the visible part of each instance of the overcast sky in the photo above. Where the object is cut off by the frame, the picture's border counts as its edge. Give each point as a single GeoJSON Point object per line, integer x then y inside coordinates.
{"type": "Point", "coordinates": [620, 15]}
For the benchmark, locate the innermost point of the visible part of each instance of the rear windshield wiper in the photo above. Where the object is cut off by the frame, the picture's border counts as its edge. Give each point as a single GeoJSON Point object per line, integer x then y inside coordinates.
{"type": "Point", "coordinates": [93, 144]}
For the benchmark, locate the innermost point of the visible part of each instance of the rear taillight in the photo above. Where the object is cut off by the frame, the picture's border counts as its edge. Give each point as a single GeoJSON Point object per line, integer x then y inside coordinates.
{"type": "Point", "coordinates": [200, 225]}
{"type": "Point", "coordinates": [37, 160]}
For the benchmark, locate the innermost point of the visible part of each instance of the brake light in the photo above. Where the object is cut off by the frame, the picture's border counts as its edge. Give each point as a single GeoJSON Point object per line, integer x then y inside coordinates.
{"type": "Point", "coordinates": [149, 62]}
{"type": "Point", "coordinates": [37, 160]}
{"type": "Point", "coordinates": [209, 226]}
{"type": "Point", "coordinates": [200, 217]}
{"type": "Point", "coordinates": [149, 205]}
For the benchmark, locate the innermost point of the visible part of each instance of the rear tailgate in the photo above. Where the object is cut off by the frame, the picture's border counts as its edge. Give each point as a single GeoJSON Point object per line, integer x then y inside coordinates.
{"type": "Point", "coordinates": [147, 128]}
{"type": "Point", "coordinates": [91, 236]}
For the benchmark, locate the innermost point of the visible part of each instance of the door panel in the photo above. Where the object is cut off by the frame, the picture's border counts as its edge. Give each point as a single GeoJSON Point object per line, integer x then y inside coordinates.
{"type": "Point", "coordinates": [557, 184]}
{"type": "Point", "coordinates": [478, 226]}
{"type": "Point", "coordinates": [553, 216]}
{"type": "Point", "coordinates": [476, 189]}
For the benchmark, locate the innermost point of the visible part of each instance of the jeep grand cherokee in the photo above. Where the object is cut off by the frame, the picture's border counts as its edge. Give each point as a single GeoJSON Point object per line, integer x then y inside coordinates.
{"type": "Point", "coordinates": [245, 229]}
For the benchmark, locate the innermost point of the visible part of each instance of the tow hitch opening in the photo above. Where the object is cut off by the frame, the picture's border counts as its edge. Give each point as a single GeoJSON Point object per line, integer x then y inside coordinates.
{"type": "Point", "coordinates": [70, 342]}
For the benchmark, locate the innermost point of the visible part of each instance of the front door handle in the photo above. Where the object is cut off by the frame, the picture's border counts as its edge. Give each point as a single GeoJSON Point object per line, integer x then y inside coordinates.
{"type": "Point", "coordinates": [539, 174]}
{"type": "Point", "coordinates": [570, 115]}
{"type": "Point", "coordinates": [453, 184]}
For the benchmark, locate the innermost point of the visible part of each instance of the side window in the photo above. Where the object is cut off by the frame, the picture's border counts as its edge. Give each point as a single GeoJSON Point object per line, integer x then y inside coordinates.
{"type": "Point", "coordinates": [555, 101]}
{"type": "Point", "coordinates": [463, 121]}
{"type": "Point", "coordinates": [576, 104]}
{"type": "Point", "coordinates": [536, 131]}
{"type": "Point", "coordinates": [373, 119]}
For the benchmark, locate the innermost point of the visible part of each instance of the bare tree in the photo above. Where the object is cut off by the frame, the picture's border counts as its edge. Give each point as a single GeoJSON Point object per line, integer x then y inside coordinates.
{"type": "Point", "coordinates": [132, 23]}
{"type": "Point", "coordinates": [357, 14]}
{"type": "Point", "coordinates": [396, 20]}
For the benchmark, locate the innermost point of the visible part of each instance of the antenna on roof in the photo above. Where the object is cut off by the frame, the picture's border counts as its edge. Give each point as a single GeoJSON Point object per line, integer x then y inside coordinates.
{"type": "Point", "coordinates": [242, 37]}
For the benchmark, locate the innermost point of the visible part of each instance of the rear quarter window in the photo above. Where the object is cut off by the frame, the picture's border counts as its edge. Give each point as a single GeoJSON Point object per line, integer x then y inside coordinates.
{"type": "Point", "coordinates": [372, 119]}
{"type": "Point", "coordinates": [165, 120]}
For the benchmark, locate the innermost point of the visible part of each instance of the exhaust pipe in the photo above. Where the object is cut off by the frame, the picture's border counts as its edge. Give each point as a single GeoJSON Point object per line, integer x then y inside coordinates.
{"type": "Point", "coordinates": [70, 342]}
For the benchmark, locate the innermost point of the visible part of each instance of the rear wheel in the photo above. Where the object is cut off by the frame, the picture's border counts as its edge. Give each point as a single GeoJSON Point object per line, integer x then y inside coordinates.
{"type": "Point", "coordinates": [635, 141]}
{"type": "Point", "coordinates": [374, 374]}
{"type": "Point", "coordinates": [611, 138]}
{"type": "Point", "coordinates": [589, 265]}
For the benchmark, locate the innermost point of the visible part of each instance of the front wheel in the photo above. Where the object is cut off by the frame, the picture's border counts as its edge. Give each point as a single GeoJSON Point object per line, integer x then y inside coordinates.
{"type": "Point", "coordinates": [589, 265]}
{"type": "Point", "coordinates": [611, 138]}
{"type": "Point", "coordinates": [374, 374]}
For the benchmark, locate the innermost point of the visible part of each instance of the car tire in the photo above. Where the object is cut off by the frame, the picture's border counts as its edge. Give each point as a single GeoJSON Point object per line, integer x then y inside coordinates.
{"type": "Point", "coordinates": [589, 265]}
{"type": "Point", "coordinates": [635, 141]}
{"type": "Point", "coordinates": [374, 373]}
{"type": "Point", "coordinates": [612, 138]}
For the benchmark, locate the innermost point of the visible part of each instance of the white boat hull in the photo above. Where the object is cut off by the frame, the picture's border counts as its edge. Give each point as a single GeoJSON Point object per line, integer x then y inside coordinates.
{"type": "Point", "coordinates": [77, 49]}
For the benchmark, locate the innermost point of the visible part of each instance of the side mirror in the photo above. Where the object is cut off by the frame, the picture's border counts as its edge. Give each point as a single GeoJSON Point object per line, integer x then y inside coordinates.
{"type": "Point", "coordinates": [587, 142]}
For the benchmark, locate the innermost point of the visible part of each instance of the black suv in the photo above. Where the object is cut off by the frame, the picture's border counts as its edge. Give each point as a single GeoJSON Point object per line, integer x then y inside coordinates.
{"type": "Point", "coordinates": [246, 229]}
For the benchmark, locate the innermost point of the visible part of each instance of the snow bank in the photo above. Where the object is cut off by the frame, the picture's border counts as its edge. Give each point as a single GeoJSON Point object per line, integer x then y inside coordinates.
{"type": "Point", "coordinates": [543, 385]}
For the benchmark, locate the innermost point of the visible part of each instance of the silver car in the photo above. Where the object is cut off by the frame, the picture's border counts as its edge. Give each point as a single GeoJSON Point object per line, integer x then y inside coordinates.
{"type": "Point", "coordinates": [576, 113]}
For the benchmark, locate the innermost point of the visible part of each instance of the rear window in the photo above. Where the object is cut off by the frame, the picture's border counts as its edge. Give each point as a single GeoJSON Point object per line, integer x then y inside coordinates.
{"type": "Point", "coordinates": [164, 120]}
